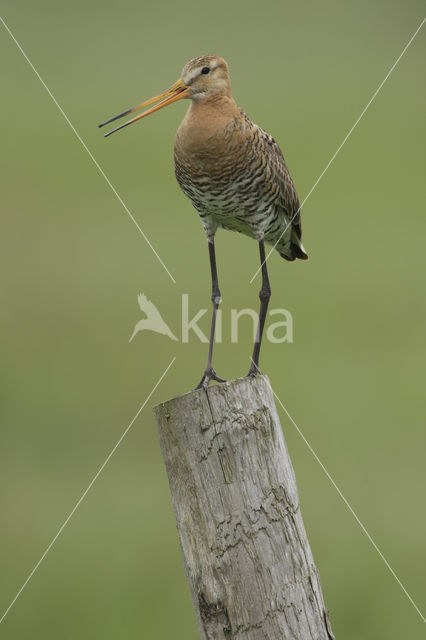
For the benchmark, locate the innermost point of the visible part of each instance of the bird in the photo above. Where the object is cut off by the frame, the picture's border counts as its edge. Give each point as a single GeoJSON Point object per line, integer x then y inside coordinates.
{"type": "Point", "coordinates": [234, 174]}
{"type": "Point", "coordinates": [153, 320]}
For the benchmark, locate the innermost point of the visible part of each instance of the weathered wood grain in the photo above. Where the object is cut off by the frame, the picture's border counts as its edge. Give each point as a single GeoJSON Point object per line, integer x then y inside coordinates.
{"type": "Point", "coordinates": [246, 555]}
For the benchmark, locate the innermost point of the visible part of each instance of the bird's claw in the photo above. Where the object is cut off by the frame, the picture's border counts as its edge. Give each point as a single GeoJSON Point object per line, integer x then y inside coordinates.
{"type": "Point", "coordinates": [208, 375]}
{"type": "Point", "coordinates": [253, 372]}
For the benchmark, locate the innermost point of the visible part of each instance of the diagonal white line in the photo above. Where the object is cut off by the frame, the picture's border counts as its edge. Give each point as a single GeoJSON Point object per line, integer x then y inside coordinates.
{"type": "Point", "coordinates": [349, 507]}
{"type": "Point", "coordinates": [80, 500]}
{"type": "Point", "coordinates": [95, 162]}
{"type": "Point", "coordinates": [343, 141]}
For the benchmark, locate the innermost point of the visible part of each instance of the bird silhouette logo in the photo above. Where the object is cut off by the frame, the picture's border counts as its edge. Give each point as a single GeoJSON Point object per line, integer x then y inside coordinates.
{"type": "Point", "coordinates": [153, 320]}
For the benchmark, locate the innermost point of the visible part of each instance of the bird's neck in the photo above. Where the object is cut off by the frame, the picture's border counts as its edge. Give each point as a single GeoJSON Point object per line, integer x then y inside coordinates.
{"type": "Point", "coordinates": [204, 124]}
{"type": "Point", "coordinates": [211, 103]}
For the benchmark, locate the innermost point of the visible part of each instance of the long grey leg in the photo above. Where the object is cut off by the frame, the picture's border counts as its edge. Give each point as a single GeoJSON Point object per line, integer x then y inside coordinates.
{"type": "Point", "coordinates": [264, 295]}
{"type": "Point", "coordinates": [209, 373]}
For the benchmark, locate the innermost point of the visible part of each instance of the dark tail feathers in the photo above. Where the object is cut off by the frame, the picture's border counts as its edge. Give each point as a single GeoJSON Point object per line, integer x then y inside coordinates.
{"type": "Point", "coordinates": [296, 252]}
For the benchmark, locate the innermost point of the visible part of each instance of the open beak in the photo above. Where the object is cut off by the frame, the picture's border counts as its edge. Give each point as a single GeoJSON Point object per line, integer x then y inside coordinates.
{"type": "Point", "coordinates": [176, 92]}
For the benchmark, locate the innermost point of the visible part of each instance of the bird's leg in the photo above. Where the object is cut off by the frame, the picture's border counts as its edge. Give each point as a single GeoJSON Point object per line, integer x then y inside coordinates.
{"type": "Point", "coordinates": [209, 373]}
{"type": "Point", "coordinates": [264, 295]}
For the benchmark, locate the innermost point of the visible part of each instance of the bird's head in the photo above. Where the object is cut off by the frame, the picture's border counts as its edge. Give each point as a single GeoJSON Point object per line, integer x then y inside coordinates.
{"type": "Point", "coordinates": [206, 76]}
{"type": "Point", "coordinates": [202, 77]}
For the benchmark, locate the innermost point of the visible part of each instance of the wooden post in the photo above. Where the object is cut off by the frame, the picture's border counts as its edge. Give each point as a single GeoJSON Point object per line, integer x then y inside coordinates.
{"type": "Point", "coordinates": [246, 555]}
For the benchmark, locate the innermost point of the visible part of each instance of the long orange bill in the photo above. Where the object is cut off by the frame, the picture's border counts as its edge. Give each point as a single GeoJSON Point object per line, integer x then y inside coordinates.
{"type": "Point", "coordinates": [176, 92]}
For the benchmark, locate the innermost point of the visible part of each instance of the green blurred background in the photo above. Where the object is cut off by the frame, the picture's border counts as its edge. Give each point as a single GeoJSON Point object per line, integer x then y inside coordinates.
{"type": "Point", "coordinates": [72, 264]}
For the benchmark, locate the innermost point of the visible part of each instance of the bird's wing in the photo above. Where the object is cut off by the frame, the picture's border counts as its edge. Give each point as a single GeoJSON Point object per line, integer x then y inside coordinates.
{"type": "Point", "coordinates": [287, 198]}
{"type": "Point", "coordinates": [154, 320]}
{"type": "Point", "coordinates": [148, 307]}
{"type": "Point", "coordinates": [142, 299]}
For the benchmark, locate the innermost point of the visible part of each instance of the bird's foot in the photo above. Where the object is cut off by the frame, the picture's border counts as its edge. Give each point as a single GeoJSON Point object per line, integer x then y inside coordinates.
{"type": "Point", "coordinates": [254, 371]}
{"type": "Point", "coordinates": [208, 375]}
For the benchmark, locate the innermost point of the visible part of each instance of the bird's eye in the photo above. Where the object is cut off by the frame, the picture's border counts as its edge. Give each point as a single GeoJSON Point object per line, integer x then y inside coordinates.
{"type": "Point", "coordinates": [205, 70]}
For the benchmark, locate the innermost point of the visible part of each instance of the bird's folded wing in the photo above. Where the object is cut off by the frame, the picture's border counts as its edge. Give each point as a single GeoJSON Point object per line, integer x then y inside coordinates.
{"type": "Point", "coordinates": [147, 306]}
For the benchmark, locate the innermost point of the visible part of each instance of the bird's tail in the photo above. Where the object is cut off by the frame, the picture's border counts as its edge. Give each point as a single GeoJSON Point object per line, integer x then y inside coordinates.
{"type": "Point", "coordinates": [295, 251]}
